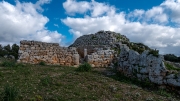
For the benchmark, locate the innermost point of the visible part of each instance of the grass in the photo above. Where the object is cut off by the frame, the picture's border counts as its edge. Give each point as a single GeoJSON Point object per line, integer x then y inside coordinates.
{"type": "Point", "coordinates": [9, 93]}
{"type": "Point", "coordinates": [171, 67]}
{"type": "Point", "coordinates": [8, 63]}
{"type": "Point", "coordinates": [57, 83]}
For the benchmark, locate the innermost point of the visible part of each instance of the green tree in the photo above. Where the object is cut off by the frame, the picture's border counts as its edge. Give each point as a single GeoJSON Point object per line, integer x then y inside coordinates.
{"type": "Point", "coordinates": [14, 50]}
{"type": "Point", "coordinates": [7, 50]}
{"type": "Point", "coordinates": [1, 51]}
{"type": "Point", "coordinates": [171, 57]}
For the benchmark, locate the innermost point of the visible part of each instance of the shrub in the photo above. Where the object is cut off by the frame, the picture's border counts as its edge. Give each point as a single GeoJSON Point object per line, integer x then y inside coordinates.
{"type": "Point", "coordinates": [172, 58]}
{"type": "Point", "coordinates": [93, 37]}
{"type": "Point", "coordinates": [154, 52]}
{"type": "Point", "coordinates": [46, 81]}
{"type": "Point", "coordinates": [8, 64]}
{"type": "Point", "coordinates": [10, 93]}
{"type": "Point", "coordinates": [42, 63]}
{"type": "Point", "coordinates": [86, 67]}
{"type": "Point", "coordinates": [20, 65]}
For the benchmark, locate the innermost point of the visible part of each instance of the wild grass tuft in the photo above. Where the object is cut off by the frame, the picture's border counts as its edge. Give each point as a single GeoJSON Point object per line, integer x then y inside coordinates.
{"type": "Point", "coordinates": [171, 67]}
{"type": "Point", "coordinates": [86, 67]}
{"type": "Point", "coordinates": [42, 63]}
{"type": "Point", "coordinates": [8, 63]}
{"type": "Point", "coordinates": [46, 81]}
{"type": "Point", "coordinates": [10, 93]}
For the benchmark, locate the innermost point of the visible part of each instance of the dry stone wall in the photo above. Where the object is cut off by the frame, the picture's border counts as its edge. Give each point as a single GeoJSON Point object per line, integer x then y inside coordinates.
{"type": "Point", "coordinates": [101, 58]}
{"type": "Point", "coordinates": [145, 66]}
{"type": "Point", "coordinates": [90, 49]}
{"type": "Point", "coordinates": [51, 53]}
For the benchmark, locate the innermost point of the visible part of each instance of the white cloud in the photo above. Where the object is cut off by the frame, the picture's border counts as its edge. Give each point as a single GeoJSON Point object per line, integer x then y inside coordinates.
{"type": "Point", "coordinates": [156, 14]}
{"type": "Point", "coordinates": [89, 25]}
{"type": "Point", "coordinates": [173, 9]}
{"type": "Point", "coordinates": [152, 27]}
{"type": "Point", "coordinates": [72, 7]}
{"type": "Point", "coordinates": [39, 3]}
{"type": "Point", "coordinates": [97, 9]}
{"type": "Point", "coordinates": [23, 22]}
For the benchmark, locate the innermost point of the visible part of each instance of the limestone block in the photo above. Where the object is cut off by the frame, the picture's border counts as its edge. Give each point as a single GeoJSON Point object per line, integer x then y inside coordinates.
{"type": "Point", "coordinates": [25, 46]}
{"type": "Point", "coordinates": [133, 57]}
{"type": "Point", "coordinates": [20, 51]}
{"type": "Point", "coordinates": [171, 76]}
{"type": "Point", "coordinates": [24, 56]}
{"type": "Point", "coordinates": [85, 53]}
{"type": "Point", "coordinates": [156, 79]}
{"type": "Point", "coordinates": [70, 60]}
{"type": "Point", "coordinates": [61, 63]}
{"type": "Point", "coordinates": [33, 48]}
{"type": "Point", "coordinates": [76, 59]}
{"type": "Point", "coordinates": [95, 56]}
{"type": "Point", "coordinates": [104, 62]}
{"type": "Point", "coordinates": [144, 71]}
{"type": "Point", "coordinates": [95, 63]}
{"type": "Point", "coordinates": [67, 64]}
{"type": "Point", "coordinates": [22, 48]}
{"type": "Point", "coordinates": [173, 82]}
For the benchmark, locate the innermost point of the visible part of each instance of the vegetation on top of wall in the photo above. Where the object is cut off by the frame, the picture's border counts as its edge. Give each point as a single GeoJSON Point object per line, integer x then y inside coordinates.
{"type": "Point", "coordinates": [154, 52]}
{"type": "Point", "coordinates": [117, 50]}
{"type": "Point", "coordinates": [139, 47]}
{"type": "Point", "coordinates": [93, 37]}
{"type": "Point", "coordinates": [118, 37]}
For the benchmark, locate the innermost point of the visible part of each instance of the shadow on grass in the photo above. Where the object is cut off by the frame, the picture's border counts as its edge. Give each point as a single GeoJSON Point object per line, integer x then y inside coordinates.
{"type": "Point", "coordinates": [146, 84]}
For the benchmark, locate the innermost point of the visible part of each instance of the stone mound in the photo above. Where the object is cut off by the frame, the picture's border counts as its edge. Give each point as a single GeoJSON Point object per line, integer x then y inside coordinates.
{"type": "Point", "coordinates": [105, 40]}
{"type": "Point", "coordinates": [100, 38]}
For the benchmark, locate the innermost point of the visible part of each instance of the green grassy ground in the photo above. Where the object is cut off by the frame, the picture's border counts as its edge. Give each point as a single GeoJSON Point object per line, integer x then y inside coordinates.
{"type": "Point", "coordinates": [56, 83]}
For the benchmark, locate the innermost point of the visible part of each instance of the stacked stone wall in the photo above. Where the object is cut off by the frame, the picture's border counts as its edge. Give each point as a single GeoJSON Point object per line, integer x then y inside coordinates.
{"type": "Point", "coordinates": [101, 58]}
{"type": "Point", "coordinates": [90, 49]}
{"type": "Point", "coordinates": [51, 53]}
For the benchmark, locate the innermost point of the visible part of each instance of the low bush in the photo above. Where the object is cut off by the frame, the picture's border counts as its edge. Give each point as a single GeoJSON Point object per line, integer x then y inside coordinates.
{"type": "Point", "coordinates": [154, 52]}
{"type": "Point", "coordinates": [86, 67]}
{"type": "Point", "coordinates": [172, 58]}
{"type": "Point", "coordinates": [42, 63]}
{"type": "Point", "coordinates": [20, 65]}
{"type": "Point", "coordinates": [10, 93]}
{"type": "Point", "coordinates": [8, 64]}
{"type": "Point", "coordinates": [46, 81]}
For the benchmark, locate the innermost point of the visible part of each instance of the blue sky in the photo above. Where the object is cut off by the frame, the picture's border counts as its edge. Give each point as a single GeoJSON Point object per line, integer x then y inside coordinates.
{"type": "Point", "coordinates": [152, 22]}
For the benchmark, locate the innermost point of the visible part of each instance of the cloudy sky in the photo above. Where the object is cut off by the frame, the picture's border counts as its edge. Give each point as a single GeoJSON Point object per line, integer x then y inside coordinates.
{"type": "Point", "coordinates": [155, 23]}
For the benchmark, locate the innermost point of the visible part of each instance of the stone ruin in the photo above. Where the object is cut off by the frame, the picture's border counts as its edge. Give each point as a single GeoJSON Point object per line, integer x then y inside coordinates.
{"type": "Point", "coordinates": [100, 50]}
{"type": "Point", "coordinates": [101, 58]}
{"type": "Point", "coordinates": [34, 52]}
